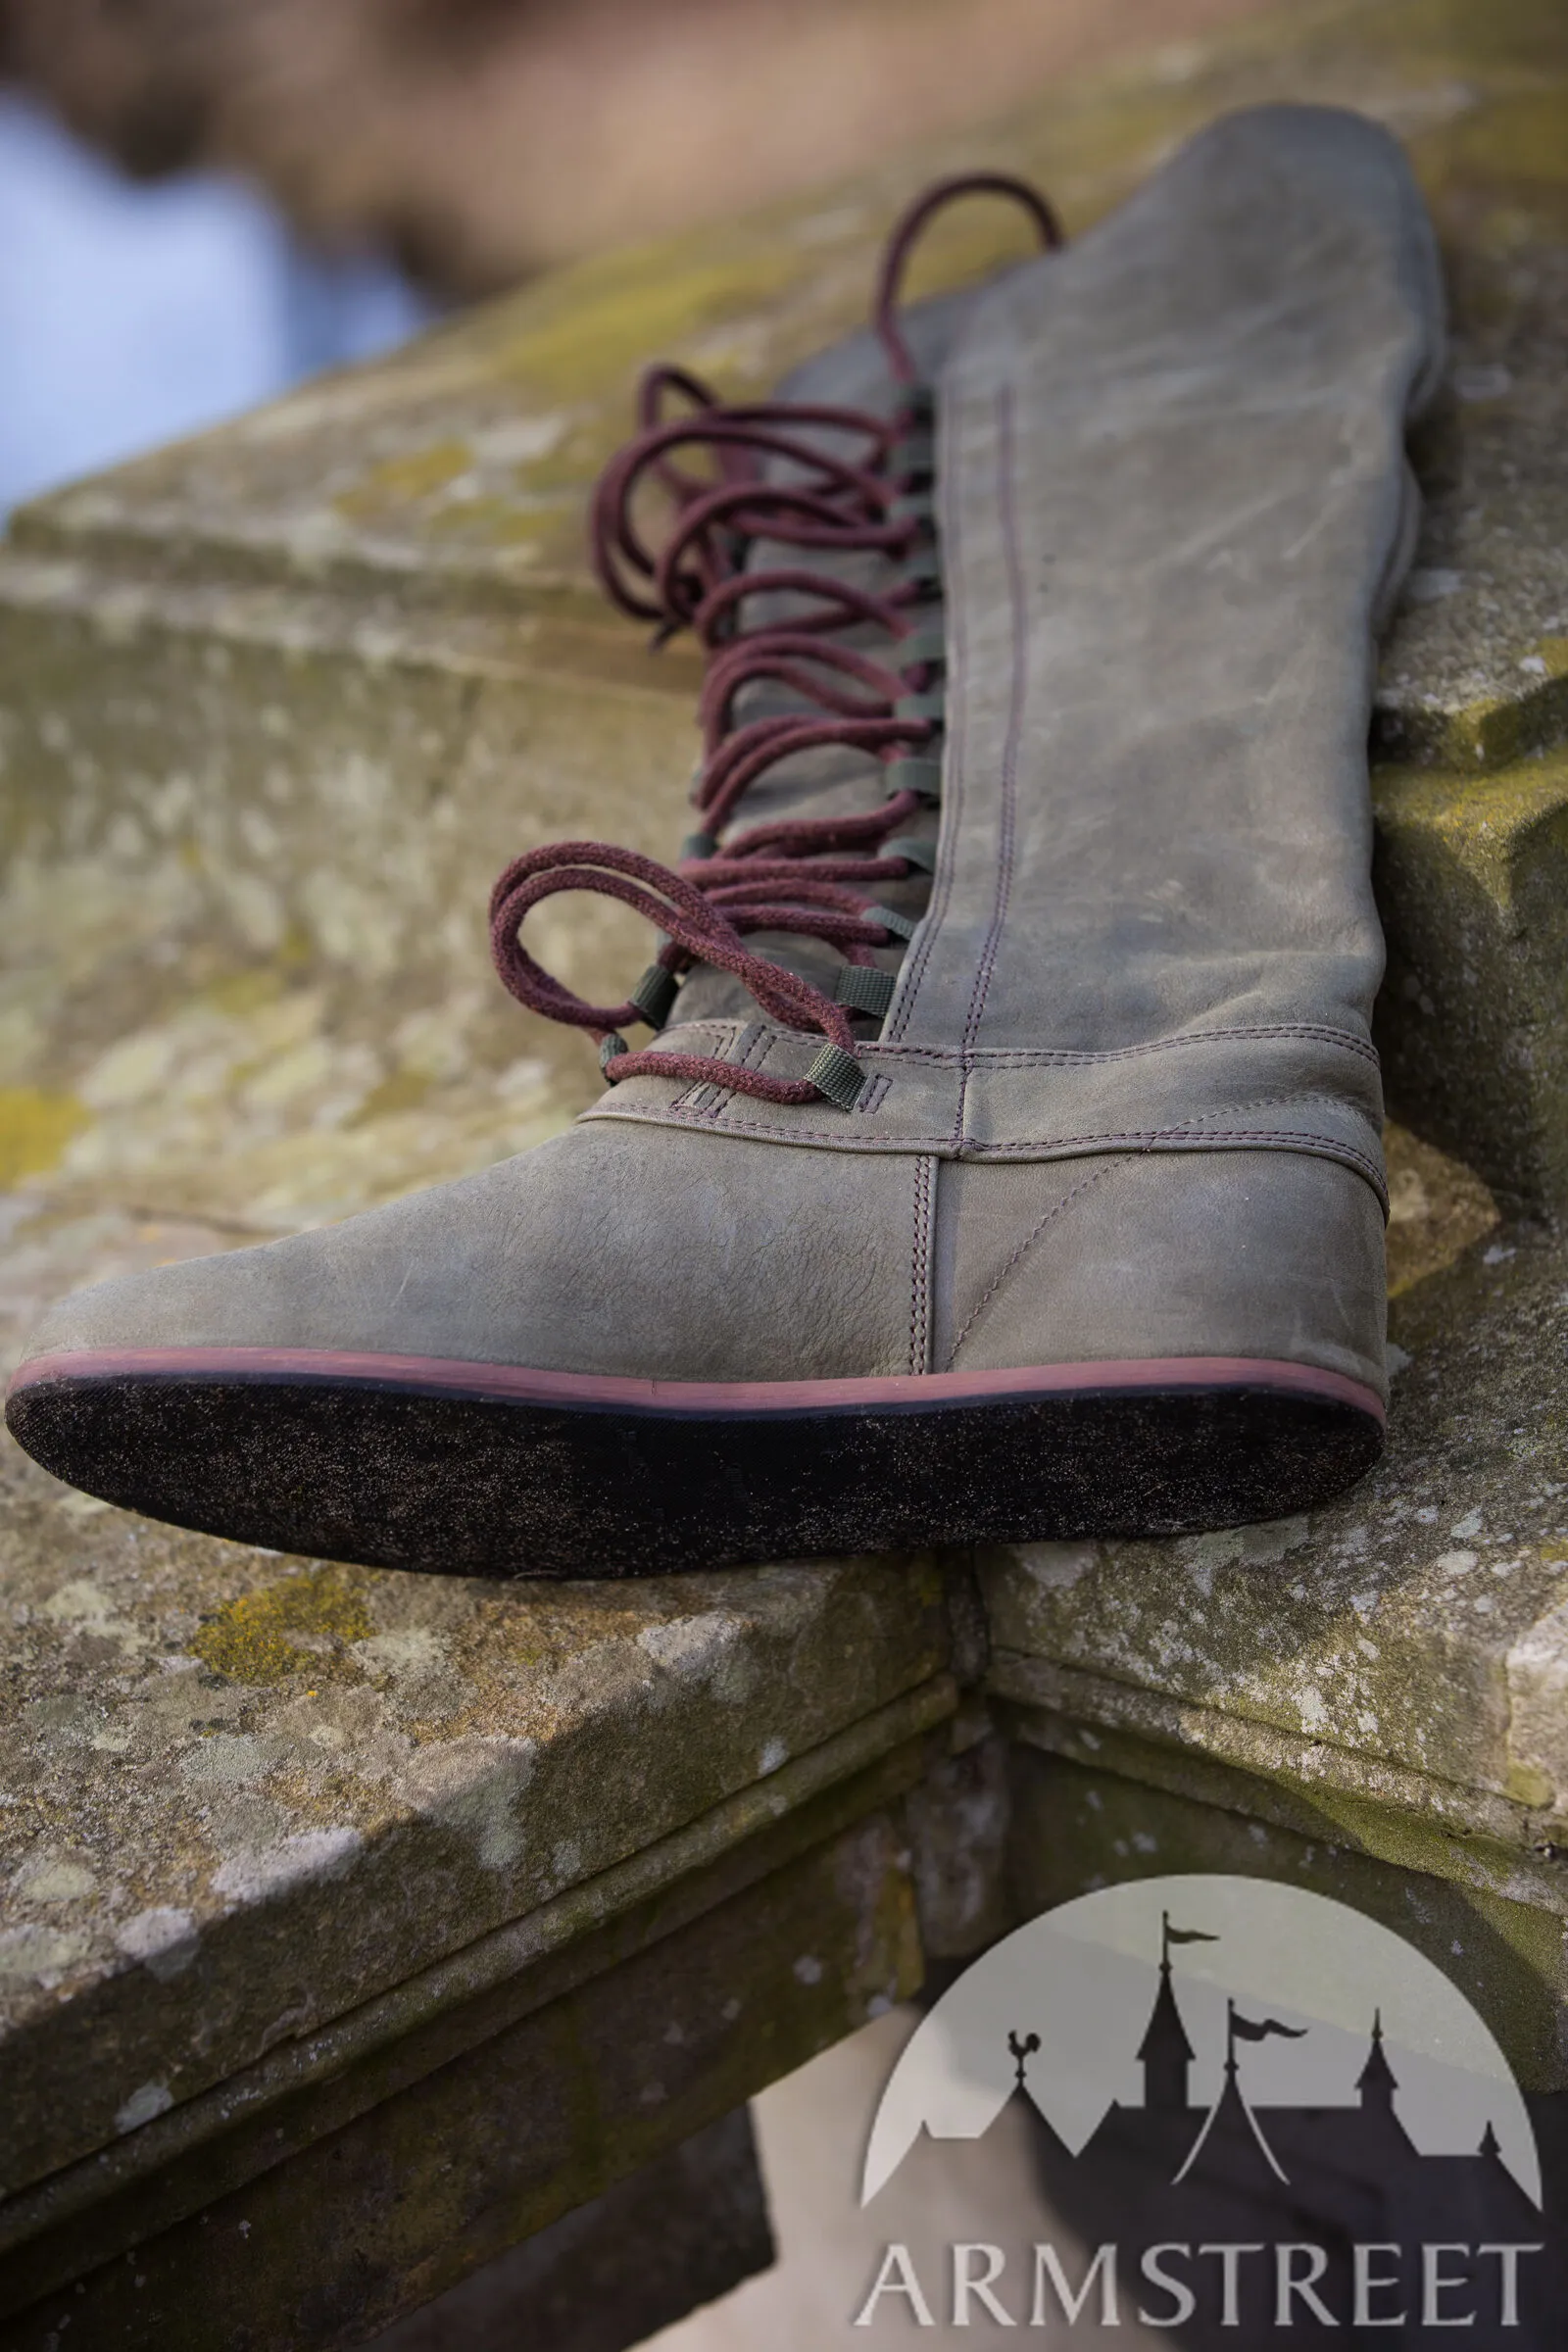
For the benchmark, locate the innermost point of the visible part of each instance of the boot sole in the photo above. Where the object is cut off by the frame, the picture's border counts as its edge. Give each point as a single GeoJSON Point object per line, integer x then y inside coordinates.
{"type": "Point", "coordinates": [486, 1470]}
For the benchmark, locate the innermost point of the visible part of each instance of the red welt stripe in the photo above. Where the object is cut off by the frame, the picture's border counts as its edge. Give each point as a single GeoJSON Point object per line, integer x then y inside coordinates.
{"type": "Point", "coordinates": [516, 1384]}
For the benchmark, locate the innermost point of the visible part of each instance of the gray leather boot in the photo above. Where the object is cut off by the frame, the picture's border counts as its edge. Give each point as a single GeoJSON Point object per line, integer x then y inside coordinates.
{"type": "Point", "coordinates": [1055, 1209]}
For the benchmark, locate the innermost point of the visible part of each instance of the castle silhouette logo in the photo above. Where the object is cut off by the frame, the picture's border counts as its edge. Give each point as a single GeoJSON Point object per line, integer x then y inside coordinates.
{"type": "Point", "coordinates": [1257, 2109]}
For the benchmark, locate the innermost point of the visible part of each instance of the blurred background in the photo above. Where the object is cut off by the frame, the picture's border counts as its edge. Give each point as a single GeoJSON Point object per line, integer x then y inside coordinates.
{"type": "Point", "coordinates": [202, 201]}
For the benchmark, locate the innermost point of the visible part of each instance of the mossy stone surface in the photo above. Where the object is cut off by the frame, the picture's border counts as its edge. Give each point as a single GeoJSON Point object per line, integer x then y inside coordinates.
{"type": "Point", "coordinates": [1472, 1022]}
{"type": "Point", "coordinates": [276, 703]}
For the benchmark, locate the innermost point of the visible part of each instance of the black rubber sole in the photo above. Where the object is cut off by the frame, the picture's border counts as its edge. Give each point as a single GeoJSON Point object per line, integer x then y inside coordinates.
{"type": "Point", "coordinates": [393, 1476]}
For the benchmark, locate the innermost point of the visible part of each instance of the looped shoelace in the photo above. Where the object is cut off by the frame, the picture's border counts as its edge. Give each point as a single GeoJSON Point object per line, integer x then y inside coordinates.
{"type": "Point", "coordinates": [803, 876]}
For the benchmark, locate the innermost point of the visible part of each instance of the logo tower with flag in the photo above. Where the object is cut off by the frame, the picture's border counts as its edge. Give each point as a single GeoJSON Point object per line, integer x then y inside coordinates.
{"type": "Point", "coordinates": [1166, 2053]}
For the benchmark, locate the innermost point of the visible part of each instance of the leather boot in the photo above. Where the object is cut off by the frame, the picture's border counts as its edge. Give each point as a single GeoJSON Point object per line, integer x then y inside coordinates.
{"type": "Point", "coordinates": [1055, 1209]}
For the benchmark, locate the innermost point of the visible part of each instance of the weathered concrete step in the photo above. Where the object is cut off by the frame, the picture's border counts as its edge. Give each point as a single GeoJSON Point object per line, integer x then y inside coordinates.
{"type": "Point", "coordinates": [1472, 1024]}
{"type": "Point", "coordinates": [245, 1800]}
{"type": "Point", "coordinates": [453, 475]}
{"type": "Point", "coordinates": [680, 2233]}
{"type": "Point", "coordinates": [277, 703]}
{"type": "Point", "coordinates": [532, 2079]}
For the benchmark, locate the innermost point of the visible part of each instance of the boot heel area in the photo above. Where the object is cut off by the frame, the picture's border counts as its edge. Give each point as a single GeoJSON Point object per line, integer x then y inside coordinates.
{"type": "Point", "coordinates": [1267, 1255]}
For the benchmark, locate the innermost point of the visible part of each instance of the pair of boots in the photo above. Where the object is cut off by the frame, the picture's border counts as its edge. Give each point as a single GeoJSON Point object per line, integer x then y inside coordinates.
{"type": "Point", "coordinates": [1006, 1160]}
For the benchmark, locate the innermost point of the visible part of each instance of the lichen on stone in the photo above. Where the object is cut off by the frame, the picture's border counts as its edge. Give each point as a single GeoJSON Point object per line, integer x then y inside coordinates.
{"type": "Point", "coordinates": [303, 1625]}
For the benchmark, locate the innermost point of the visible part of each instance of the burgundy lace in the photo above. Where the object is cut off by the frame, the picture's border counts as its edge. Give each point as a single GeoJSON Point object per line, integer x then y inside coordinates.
{"type": "Point", "coordinates": [768, 481]}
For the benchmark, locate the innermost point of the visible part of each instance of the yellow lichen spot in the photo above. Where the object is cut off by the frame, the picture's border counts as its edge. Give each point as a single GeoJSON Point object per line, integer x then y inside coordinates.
{"type": "Point", "coordinates": [302, 1625]}
{"type": "Point", "coordinates": [417, 474]}
{"type": "Point", "coordinates": [1527, 1785]}
{"type": "Point", "coordinates": [245, 993]}
{"type": "Point", "coordinates": [296, 949]}
{"type": "Point", "coordinates": [1438, 1208]}
{"type": "Point", "coordinates": [605, 318]}
{"type": "Point", "coordinates": [34, 1129]}
{"type": "Point", "coordinates": [570, 465]}
{"type": "Point", "coordinates": [493, 522]}
{"type": "Point", "coordinates": [1482, 821]}
{"type": "Point", "coordinates": [405, 1090]}
{"type": "Point", "coordinates": [1521, 136]}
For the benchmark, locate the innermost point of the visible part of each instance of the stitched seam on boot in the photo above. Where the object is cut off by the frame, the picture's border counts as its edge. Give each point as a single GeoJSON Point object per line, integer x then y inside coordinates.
{"type": "Point", "coordinates": [921, 1271]}
{"type": "Point", "coordinates": [1201, 1124]}
{"type": "Point", "coordinates": [719, 1031]}
{"type": "Point", "coordinates": [1147, 1139]}
{"type": "Point", "coordinates": [1017, 692]}
{"type": "Point", "coordinates": [709, 1096]}
{"type": "Point", "coordinates": [1240, 1110]}
{"type": "Point", "coordinates": [913, 970]}
{"type": "Point", "coordinates": [1316, 1147]}
{"type": "Point", "coordinates": [1024, 1056]}
{"type": "Point", "coordinates": [1086, 1186]}
{"type": "Point", "coordinates": [1007, 1057]}
{"type": "Point", "coordinates": [706, 1093]}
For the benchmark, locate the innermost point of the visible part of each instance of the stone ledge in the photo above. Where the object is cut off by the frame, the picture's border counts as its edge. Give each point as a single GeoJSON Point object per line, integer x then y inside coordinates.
{"type": "Point", "coordinates": [1308, 1786]}
{"type": "Point", "coordinates": [363, 615]}
{"type": "Point", "coordinates": [680, 2234]}
{"type": "Point", "coordinates": [245, 1795]}
{"type": "Point", "coordinates": [454, 475]}
{"type": "Point", "coordinates": [1472, 1024]}
{"type": "Point", "coordinates": [275, 2111]}
{"type": "Point", "coordinates": [442, 2175]}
